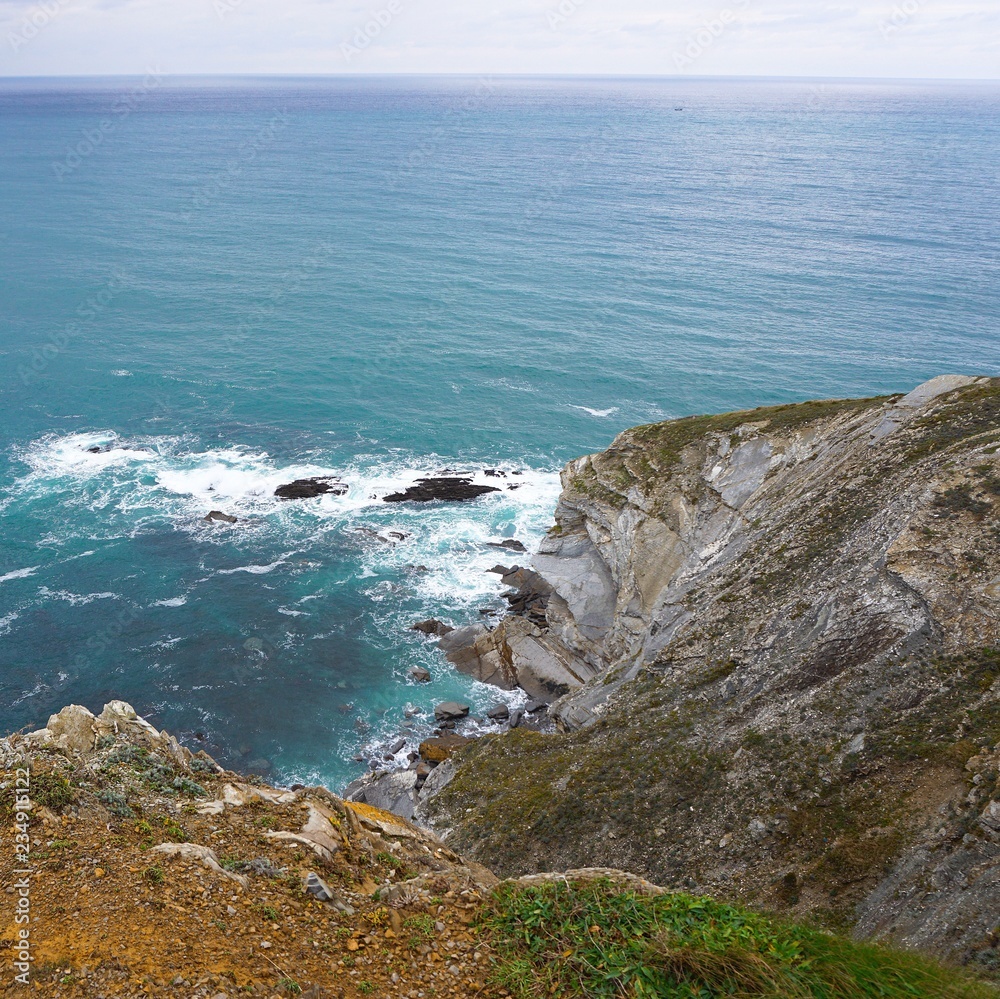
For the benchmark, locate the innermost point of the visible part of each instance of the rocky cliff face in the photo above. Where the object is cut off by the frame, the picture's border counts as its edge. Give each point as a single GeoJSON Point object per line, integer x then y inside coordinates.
{"type": "Point", "coordinates": [769, 639]}
{"type": "Point", "coordinates": [144, 870]}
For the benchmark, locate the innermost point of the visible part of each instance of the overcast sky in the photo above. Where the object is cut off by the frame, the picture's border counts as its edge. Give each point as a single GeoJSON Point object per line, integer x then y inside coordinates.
{"type": "Point", "coordinates": [880, 38]}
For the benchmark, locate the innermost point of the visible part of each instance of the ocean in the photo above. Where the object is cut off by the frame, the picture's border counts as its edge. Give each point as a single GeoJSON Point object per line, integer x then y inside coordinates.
{"type": "Point", "coordinates": [227, 284]}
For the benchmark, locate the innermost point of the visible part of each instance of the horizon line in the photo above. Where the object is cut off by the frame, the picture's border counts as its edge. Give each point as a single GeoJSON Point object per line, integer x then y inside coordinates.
{"type": "Point", "coordinates": [506, 75]}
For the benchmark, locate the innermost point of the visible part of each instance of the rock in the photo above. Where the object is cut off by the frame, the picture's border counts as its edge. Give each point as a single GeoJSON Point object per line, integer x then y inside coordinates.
{"type": "Point", "coordinates": [392, 792]}
{"type": "Point", "coordinates": [451, 711]}
{"type": "Point", "coordinates": [310, 488]}
{"type": "Point", "coordinates": [990, 818]}
{"type": "Point", "coordinates": [318, 888]}
{"type": "Point", "coordinates": [499, 712]}
{"type": "Point", "coordinates": [73, 728]}
{"type": "Point", "coordinates": [533, 706]}
{"type": "Point", "coordinates": [200, 855]}
{"type": "Point", "coordinates": [420, 674]}
{"type": "Point", "coordinates": [511, 544]}
{"type": "Point", "coordinates": [397, 746]}
{"type": "Point", "coordinates": [515, 717]}
{"type": "Point", "coordinates": [518, 652]}
{"type": "Point", "coordinates": [438, 749]}
{"type": "Point", "coordinates": [219, 516]}
{"type": "Point", "coordinates": [432, 627]}
{"type": "Point", "coordinates": [451, 490]}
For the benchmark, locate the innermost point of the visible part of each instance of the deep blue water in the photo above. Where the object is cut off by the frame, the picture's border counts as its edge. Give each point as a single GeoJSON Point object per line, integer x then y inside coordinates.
{"type": "Point", "coordinates": [244, 281]}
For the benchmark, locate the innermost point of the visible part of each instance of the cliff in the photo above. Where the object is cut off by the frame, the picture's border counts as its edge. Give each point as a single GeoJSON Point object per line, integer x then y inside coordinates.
{"type": "Point", "coordinates": [770, 642]}
{"type": "Point", "coordinates": [138, 869]}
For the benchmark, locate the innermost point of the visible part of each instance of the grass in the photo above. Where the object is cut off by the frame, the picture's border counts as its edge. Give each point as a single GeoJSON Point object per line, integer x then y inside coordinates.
{"type": "Point", "coordinates": [596, 941]}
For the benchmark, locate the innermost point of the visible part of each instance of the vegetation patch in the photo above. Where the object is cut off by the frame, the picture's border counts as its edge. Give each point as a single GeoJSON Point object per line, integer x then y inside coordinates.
{"type": "Point", "coordinates": [596, 941]}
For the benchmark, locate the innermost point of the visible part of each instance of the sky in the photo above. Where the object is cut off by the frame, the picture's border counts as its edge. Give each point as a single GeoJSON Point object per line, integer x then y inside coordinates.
{"type": "Point", "coordinates": [957, 39]}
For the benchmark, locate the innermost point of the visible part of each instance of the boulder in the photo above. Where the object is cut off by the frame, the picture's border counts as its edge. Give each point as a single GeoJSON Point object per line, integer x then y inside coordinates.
{"type": "Point", "coordinates": [220, 517]}
{"type": "Point", "coordinates": [432, 627]}
{"type": "Point", "coordinates": [73, 729]}
{"type": "Point", "coordinates": [438, 749]}
{"type": "Point", "coordinates": [392, 792]}
{"type": "Point", "coordinates": [420, 674]}
{"type": "Point", "coordinates": [309, 488]}
{"type": "Point", "coordinates": [445, 489]}
{"type": "Point", "coordinates": [510, 544]}
{"type": "Point", "coordinates": [451, 711]}
{"type": "Point", "coordinates": [499, 712]}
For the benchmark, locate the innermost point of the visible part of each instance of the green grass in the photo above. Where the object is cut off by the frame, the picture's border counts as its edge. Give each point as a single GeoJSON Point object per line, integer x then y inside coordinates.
{"type": "Point", "coordinates": [596, 941]}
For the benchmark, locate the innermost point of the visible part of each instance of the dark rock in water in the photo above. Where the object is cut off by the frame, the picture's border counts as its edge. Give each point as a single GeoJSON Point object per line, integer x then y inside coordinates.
{"type": "Point", "coordinates": [451, 711]}
{"type": "Point", "coordinates": [420, 674]}
{"type": "Point", "coordinates": [503, 570]}
{"type": "Point", "coordinates": [218, 515]}
{"type": "Point", "coordinates": [511, 544]}
{"type": "Point", "coordinates": [439, 749]}
{"type": "Point", "coordinates": [496, 473]}
{"type": "Point", "coordinates": [499, 712]}
{"type": "Point", "coordinates": [451, 490]}
{"type": "Point", "coordinates": [532, 706]}
{"type": "Point", "coordinates": [432, 627]}
{"type": "Point", "coordinates": [397, 746]}
{"type": "Point", "coordinates": [515, 717]}
{"type": "Point", "coordinates": [308, 488]}
{"type": "Point", "coordinates": [96, 449]}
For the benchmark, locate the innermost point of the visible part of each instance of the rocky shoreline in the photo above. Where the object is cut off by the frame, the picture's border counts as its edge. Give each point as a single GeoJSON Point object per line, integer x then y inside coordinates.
{"type": "Point", "coordinates": [766, 646]}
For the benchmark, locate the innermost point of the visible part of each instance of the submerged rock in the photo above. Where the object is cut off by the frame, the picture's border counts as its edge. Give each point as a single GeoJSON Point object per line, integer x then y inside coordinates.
{"type": "Point", "coordinates": [432, 627]}
{"type": "Point", "coordinates": [310, 488]}
{"type": "Point", "coordinates": [510, 544]}
{"type": "Point", "coordinates": [445, 489]}
{"type": "Point", "coordinates": [220, 517]}
{"type": "Point", "coordinates": [451, 711]}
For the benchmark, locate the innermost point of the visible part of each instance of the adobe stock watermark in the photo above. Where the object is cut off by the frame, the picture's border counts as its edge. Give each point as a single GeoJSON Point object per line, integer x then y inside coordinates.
{"type": "Point", "coordinates": [57, 344]}
{"type": "Point", "coordinates": [558, 16]}
{"type": "Point", "coordinates": [225, 7]}
{"type": "Point", "coordinates": [900, 17]}
{"type": "Point", "coordinates": [289, 284]}
{"type": "Point", "coordinates": [265, 137]}
{"type": "Point", "coordinates": [711, 31]}
{"type": "Point", "coordinates": [427, 148]}
{"type": "Point", "coordinates": [35, 21]}
{"type": "Point", "coordinates": [20, 890]}
{"type": "Point", "coordinates": [93, 138]}
{"type": "Point", "coordinates": [372, 28]}
{"type": "Point", "coordinates": [589, 152]}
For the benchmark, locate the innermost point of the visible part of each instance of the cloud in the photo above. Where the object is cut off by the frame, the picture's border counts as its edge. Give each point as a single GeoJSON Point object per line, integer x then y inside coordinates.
{"type": "Point", "coordinates": [888, 38]}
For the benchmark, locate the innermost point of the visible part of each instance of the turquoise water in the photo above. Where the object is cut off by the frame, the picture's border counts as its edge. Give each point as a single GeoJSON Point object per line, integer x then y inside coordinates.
{"type": "Point", "coordinates": [241, 282]}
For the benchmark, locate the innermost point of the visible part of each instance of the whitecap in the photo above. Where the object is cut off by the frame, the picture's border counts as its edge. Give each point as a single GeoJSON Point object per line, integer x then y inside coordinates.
{"type": "Point", "coordinates": [20, 573]}
{"type": "Point", "coordinates": [122, 373]}
{"type": "Point", "coordinates": [76, 599]}
{"type": "Point", "coordinates": [171, 602]}
{"type": "Point", "coordinates": [596, 412]}
{"type": "Point", "coordinates": [255, 570]}
{"type": "Point", "coordinates": [7, 621]}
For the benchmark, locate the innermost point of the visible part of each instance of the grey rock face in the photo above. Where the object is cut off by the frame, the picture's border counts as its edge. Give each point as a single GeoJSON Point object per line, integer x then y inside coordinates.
{"type": "Point", "coordinates": [796, 596]}
{"type": "Point", "coordinates": [392, 792]}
